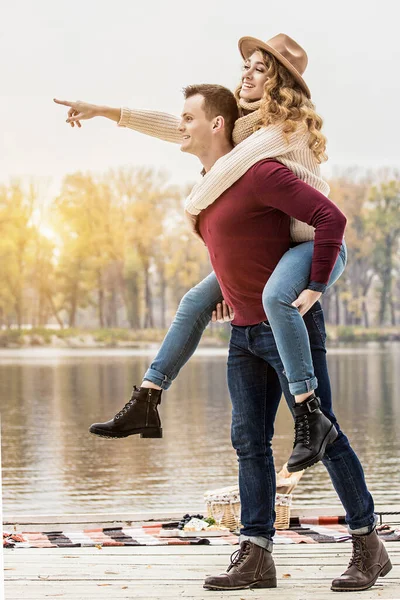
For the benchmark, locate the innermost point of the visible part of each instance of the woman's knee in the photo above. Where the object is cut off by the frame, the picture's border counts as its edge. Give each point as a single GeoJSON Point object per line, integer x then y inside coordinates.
{"type": "Point", "coordinates": [276, 296]}
{"type": "Point", "coordinates": [192, 304]}
{"type": "Point", "coordinates": [196, 307]}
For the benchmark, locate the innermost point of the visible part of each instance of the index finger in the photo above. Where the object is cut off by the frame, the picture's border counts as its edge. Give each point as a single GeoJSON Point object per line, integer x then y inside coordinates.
{"type": "Point", "coordinates": [64, 102]}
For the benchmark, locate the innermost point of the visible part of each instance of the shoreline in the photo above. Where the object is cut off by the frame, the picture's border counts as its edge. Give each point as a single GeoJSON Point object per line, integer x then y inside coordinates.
{"type": "Point", "coordinates": [150, 339]}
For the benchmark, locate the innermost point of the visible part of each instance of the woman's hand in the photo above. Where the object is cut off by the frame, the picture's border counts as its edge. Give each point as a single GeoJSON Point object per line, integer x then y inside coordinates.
{"type": "Point", "coordinates": [305, 301]}
{"type": "Point", "coordinates": [79, 111]}
{"type": "Point", "coordinates": [223, 313]}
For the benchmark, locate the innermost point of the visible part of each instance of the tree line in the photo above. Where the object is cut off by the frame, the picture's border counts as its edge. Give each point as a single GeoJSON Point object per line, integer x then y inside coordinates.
{"type": "Point", "coordinates": [114, 250]}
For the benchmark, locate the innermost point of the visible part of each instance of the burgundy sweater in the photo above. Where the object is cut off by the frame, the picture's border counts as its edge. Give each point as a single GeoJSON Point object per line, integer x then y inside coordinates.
{"type": "Point", "coordinates": [247, 231]}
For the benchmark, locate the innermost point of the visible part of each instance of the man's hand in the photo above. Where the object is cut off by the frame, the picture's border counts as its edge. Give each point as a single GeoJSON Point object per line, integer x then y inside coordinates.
{"type": "Point", "coordinates": [223, 313]}
{"type": "Point", "coordinates": [305, 301]}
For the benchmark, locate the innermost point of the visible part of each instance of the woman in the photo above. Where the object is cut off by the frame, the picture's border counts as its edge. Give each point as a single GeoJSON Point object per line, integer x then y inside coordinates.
{"type": "Point", "coordinates": [278, 121]}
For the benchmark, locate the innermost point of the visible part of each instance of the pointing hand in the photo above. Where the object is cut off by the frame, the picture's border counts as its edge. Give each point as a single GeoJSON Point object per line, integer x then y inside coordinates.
{"type": "Point", "coordinates": [78, 111]}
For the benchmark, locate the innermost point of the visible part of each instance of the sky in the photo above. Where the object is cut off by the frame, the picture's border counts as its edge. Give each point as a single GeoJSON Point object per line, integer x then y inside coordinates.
{"type": "Point", "coordinates": [140, 55]}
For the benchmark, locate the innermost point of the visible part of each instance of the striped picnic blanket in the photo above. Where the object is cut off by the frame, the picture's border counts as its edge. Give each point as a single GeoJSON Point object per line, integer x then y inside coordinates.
{"type": "Point", "coordinates": [319, 530]}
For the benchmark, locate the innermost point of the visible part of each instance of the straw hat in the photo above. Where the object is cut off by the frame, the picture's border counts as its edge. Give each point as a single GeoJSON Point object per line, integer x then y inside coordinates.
{"type": "Point", "coordinates": [286, 51]}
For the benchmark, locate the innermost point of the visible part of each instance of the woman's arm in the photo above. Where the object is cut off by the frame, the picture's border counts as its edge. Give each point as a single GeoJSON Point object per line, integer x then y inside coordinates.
{"type": "Point", "coordinates": [267, 142]}
{"type": "Point", "coordinates": [278, 187]}
{"type": "Point", "coordinates": [156, 124]}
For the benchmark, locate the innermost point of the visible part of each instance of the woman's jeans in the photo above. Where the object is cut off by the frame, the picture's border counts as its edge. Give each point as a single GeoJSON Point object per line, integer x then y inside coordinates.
{"type": "Point", "coordinates": [256, 382]}
{"type": "Point", "coordinates": [192, 317]}
{"type": "Point", "coordinates": [288, 280]}
{"type": "Point", "coordinates": [290, 277]}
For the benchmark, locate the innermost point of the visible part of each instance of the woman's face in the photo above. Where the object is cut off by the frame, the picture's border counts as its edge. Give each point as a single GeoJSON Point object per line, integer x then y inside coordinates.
{"type": "Point", "coordinates": [254, 77]}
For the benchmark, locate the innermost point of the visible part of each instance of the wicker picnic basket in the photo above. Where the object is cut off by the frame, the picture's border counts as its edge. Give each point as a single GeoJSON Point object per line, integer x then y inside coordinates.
{"type": "Point", "coordinates": [226, 501]}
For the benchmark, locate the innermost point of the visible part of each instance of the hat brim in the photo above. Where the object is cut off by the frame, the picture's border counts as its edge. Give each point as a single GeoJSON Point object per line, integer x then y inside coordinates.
{"type": "Point", "coordinates": [247, 45]}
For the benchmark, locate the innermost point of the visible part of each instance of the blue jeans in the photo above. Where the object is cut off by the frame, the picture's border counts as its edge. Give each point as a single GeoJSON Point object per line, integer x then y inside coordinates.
{"type": "Point", "coordinates": [288, 280]}
{"type": "Point", "coordinates": [195, 310]}
{"type": "Point", "coordinates": [192, 317]}
{"type": "Point", "coordinates": [255, 380]}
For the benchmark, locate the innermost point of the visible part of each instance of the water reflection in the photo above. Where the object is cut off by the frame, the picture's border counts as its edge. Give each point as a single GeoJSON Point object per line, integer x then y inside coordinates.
{"type": "Point", "coordinates": [52, 465]}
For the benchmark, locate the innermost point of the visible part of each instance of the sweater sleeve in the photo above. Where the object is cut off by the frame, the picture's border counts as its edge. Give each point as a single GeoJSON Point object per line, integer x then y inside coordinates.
{"type": "Point", "coordinates": [267, 142]}
{"type": "Point", "coordinates": [278, 187]}
{"type": "Point", "coordinates": [156, 124]}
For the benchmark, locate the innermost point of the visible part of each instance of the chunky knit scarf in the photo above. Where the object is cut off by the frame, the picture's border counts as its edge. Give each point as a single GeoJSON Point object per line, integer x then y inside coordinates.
{"type": "Point", "coordinates": [299, 159]}
{"type": "Point", "coordinates": [245, 126]}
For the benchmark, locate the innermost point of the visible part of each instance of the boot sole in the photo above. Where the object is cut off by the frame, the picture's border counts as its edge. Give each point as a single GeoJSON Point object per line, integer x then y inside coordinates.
{"type": "Point", "coordinates": [151, 432]}
{"type": "Point", "coordinates": [383, 572]}
{"type": "Point", "coordinates": [329, 439]}
{"type": "Point", "coordinates": [267, 583]}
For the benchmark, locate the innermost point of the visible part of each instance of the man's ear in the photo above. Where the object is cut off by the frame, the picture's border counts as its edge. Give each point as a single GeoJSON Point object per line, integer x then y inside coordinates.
{"type": "Point", "coordinates": [219, 123]}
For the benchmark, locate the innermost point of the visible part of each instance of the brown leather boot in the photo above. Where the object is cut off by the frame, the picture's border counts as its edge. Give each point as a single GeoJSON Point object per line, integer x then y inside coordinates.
{"type": "Point", "coordinates": [368, 562]}
{"type": "Point", "coordinates": [251, 567]}
{"type": "Point", "coordinates": [139, 415]}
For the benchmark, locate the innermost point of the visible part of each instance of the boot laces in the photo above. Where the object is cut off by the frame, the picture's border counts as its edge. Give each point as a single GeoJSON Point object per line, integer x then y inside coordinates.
{"type": "Point", "coordinates": [301, 431]}
{"type": "Point", "coordinates": [360, 553]}
{"type": "Point", "coordinates": [128, 405]}
{"type": "Point", "coordinates": [238, 557]}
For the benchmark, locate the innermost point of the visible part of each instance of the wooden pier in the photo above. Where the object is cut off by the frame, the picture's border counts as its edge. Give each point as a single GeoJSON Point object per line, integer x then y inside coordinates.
{"type": "Point", "coordinates": [171, 572]}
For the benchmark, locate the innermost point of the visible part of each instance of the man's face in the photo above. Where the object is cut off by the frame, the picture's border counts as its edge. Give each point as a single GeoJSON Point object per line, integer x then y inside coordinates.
{"type": "Point", "coordinates": [195, 128]}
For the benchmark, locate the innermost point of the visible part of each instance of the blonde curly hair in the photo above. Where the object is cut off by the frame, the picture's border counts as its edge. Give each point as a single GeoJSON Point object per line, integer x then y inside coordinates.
{"type": "Point", "coordinates": [284, 101]}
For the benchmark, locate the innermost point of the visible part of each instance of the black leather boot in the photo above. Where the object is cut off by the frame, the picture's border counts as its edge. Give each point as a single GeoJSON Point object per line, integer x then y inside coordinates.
{"type": "Point", "coordinates": [313, 432]}
{"type": "Point", "coordinates": [370, 560]}
{"type": "Point", "coordinates": [139, 415]}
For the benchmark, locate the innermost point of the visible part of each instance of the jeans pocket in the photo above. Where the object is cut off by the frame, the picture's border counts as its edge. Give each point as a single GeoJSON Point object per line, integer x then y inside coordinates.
{"type": "Point", "coordinates": [319, 323]}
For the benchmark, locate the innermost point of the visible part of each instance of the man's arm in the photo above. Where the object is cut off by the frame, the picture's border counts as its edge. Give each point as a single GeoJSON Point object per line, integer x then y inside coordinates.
{"type": "Point", "coordinates": [156, 124]}
{"type": "Point", "coordinates": [278, 187]}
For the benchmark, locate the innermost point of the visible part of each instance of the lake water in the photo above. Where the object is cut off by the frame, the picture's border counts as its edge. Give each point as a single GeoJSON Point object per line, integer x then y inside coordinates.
{"type": "Point", "coordinates": [51, 465]}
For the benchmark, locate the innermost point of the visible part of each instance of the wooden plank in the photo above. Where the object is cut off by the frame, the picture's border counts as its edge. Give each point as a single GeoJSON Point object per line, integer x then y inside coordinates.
{"type": "Point", "coordinates": [178, 574]}
{"type": "Point", "coordinates": [94, 519]}
{"type": "Point", "coordinates": [291, 550]}
{"type": "Point", "coordinates": [31, 569]}
{"type": "Point", "coordinates": [146, 573]}
{"type": "Point", "coordinates": [286, 590]}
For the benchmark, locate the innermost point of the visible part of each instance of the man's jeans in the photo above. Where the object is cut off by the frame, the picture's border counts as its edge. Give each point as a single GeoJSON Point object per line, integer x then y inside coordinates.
{"type": "Point", "coordinates": [255, 379]}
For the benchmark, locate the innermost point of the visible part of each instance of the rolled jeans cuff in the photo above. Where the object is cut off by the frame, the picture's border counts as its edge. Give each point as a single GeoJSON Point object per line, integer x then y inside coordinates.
{"type": "Point", "coordinates": [364, 530]}
{"type": "Point", "coordinates": [258, 540]}
{"type": "Point", "coordinates": [302, 387]}
{"type": "Point", "coordinates": [158, 378]}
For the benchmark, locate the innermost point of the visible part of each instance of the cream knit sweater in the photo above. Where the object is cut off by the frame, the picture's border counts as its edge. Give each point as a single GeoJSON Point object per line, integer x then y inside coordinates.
{"type": "Point", "coordinates": [267, 142]}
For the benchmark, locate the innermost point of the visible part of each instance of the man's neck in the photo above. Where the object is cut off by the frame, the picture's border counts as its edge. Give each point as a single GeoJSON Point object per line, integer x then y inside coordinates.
{"type": "Point", "coordinates": [209, 158]}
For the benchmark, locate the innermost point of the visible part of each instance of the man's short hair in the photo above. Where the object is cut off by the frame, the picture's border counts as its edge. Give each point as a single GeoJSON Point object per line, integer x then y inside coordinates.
{"type": "Point", "coordinates": [218, 101]}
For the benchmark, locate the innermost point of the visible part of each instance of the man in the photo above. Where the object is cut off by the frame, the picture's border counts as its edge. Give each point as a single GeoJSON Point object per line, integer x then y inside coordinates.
{"type": "Point", "coordinates": [258, 208]}
{"type": "Point", "coordinates": [253, 209]}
